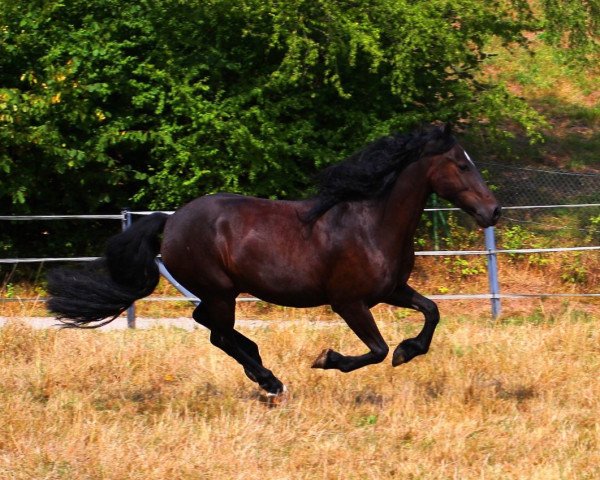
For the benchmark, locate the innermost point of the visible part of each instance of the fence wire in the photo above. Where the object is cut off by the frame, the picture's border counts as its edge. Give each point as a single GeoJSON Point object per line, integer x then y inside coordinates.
{"type": "Point", "coordinates": [533, 186]}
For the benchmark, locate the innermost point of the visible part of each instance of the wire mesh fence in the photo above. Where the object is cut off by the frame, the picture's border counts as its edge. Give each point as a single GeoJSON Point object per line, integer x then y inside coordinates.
{"type": "Point", "coordinates": [534, 186]}
{"type": "Point", "coordinates": [534, 189]}
{"type": "Point", "coordinates": [517, 186]}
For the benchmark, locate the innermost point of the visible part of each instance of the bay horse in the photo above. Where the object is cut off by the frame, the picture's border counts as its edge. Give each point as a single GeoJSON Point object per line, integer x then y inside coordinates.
{"type": "Point", "coordinates": [350, 246]}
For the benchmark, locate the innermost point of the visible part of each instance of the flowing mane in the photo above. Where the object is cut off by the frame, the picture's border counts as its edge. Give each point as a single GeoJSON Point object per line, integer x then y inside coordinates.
{"type": "Point", "coordinates": [372, 171]}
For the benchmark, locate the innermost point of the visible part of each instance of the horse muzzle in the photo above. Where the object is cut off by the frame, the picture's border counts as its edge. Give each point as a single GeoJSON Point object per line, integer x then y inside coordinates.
{"type": "Point", "coordinates": [487, 215]}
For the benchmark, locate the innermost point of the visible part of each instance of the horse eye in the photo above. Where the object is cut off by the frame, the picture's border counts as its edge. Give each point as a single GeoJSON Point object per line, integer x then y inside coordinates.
{"type": "Point", "coordinates": [463, 167]}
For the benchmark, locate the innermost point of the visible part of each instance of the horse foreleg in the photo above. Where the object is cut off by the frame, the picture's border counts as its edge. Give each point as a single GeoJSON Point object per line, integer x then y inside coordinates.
{"type": "Point", "coordinates": [360, 320]}
{"type": "Point", "coordinates": [407, 297]}
{"type": "Point", "coordinates": [219, 318]}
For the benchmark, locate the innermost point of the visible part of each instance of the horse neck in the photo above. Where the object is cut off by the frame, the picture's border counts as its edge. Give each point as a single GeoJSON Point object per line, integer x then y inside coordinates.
{"type": "Point", "coordinates": [404, 205]}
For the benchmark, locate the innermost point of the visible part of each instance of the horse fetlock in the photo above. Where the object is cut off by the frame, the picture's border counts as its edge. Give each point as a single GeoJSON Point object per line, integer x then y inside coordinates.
{"type": "Point", "coordinates": [271, 385]}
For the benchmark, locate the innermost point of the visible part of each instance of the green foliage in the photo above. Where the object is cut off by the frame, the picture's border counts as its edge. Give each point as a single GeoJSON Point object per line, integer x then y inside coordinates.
{"type": "Point", "coordinates": [465, 267]}
{"type": "Point", "coordinates": [154, 103]}
{"type": "Point", "coordinates": [537, 317]}
{"type": "Point", "coordinates": [460, 232]}
{"type": "Point", "coordinates": [516, 238]}
{"type": "Point", "coordinates": [593, 229]}
{"type": "Point", "coordinates": [573, 270]}
{"type": "Point", "coordinates": [574, 24]}
{"type": "Point", "coordinates": [106, 104]}
{"type": "Point", "coordinates": [367, 420]}
{"type": "Point", "coordinates": [9, 290]}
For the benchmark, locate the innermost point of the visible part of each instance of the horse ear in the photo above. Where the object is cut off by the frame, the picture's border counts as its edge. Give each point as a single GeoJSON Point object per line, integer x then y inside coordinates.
{"type": "Point", "coordinates": [448, 129]}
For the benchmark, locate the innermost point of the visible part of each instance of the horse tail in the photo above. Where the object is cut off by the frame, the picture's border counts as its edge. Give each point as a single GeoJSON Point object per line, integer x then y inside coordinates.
{"type": "Point", "coordinates": [105, 288]}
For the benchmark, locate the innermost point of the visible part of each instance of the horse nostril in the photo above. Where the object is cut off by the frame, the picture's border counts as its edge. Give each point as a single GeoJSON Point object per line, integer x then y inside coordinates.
{"type": "Point", "coordinates": [497, 213]}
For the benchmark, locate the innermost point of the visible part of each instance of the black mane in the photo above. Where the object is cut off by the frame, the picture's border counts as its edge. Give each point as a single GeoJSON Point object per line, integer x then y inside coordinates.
{"type": "Point", "coordinates": [372, 171]}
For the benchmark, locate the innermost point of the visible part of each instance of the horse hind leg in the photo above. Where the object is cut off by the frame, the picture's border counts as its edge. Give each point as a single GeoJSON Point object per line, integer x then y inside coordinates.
{"type": "Point", "coordinates": [200, 315]}
{"type": "Point", "coordinates": [219, 317]}
{"type": "Point", "coordinates": [360, 320]}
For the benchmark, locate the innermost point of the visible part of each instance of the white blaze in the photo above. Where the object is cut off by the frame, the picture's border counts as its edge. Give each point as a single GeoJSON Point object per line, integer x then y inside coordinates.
{"type": "Point", "coordinates": [469, 158]}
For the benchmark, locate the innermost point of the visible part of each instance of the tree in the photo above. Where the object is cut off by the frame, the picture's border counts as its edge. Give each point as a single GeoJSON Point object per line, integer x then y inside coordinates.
{"type": "Point", "coordinates": [152, 103]}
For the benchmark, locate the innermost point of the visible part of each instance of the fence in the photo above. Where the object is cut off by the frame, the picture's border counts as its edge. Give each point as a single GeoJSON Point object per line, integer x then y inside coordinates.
{"type": "Point", "coordinates": [494, 295]}
{"type": "Point", "coordinates": [517, 185]}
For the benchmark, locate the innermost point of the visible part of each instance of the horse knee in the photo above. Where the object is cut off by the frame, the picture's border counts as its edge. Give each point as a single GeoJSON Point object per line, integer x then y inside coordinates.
{"type": "Point", "coordinates": [431, 312]}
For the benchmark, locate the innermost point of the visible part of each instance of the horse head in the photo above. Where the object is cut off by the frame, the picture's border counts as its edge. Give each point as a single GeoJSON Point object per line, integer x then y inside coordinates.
{"type": "Point", "coordinates": [453, 176]}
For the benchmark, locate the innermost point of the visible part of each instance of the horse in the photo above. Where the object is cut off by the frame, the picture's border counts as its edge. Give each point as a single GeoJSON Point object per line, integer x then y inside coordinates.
{"type": "Point", "coordinates": [350, 246]}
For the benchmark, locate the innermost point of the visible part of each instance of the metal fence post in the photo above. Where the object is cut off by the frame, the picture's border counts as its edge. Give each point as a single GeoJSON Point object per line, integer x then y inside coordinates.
{"type": "Point", "coordinates": [125, 224]}
{"type": "Point", "coordinates": [492, 264]}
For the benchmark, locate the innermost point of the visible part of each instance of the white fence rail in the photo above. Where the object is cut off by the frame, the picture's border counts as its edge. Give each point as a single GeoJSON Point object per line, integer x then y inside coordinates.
{"type": "Point", "coordinates": [424, 253]}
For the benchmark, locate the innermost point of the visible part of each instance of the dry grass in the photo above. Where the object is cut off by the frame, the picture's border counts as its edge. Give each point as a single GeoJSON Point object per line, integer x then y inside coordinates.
{"type": "Point", "coordinates": [515, 399]}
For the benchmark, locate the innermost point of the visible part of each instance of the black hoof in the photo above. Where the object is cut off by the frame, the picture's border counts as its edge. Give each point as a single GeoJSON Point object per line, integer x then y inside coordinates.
{"type": "Point", "coordinates": [399, 357]}
{"type": "Point", "coordinates": [321, 360]}
{"type": "Point", "coordinates": [406, 351]}
{"type": "Point", "coordinates": [327, 359]}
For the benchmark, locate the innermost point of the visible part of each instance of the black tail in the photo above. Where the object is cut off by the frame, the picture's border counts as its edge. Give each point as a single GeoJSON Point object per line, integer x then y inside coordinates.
{"type": "Point", "coordinates": [108, 286]}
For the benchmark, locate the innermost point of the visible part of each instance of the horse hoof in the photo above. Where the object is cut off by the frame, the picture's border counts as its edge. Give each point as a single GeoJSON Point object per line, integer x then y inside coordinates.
{"type": "Point", "coordinates": [278, 399]}
{"type": "Point", "coordinates": [399, 357]}
{"type": "Point", "coordinates": [321, 360]}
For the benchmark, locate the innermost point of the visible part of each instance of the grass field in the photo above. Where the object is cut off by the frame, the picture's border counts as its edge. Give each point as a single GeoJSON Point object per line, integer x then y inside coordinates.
{"type": "Point", "coordinates": [516, 398]}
